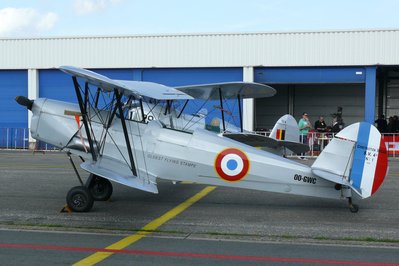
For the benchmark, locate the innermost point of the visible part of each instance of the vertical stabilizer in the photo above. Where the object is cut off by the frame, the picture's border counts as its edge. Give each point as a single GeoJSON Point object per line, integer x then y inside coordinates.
{"type": "Point", "coordinates": [357, 157]}
{"type": "Point", "coordinates": [286, 128]}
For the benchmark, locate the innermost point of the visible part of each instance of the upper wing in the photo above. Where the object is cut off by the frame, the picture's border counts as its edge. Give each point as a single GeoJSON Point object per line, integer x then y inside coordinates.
{"type": "Point", "coordinates": [127, 87]}
{"type": "Point", "coordinates": [155, 90]}
{"type": "Point", "coordinates": [229, 90]}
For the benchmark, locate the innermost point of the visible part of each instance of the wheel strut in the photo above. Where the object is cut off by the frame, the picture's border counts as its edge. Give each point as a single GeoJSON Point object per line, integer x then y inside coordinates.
{"type": "Point", "coordinates": [78, 199]}
{"type": "Point", "coordinates": [352, 207]}
{"type": "Point", "coordinates": [74, 168]}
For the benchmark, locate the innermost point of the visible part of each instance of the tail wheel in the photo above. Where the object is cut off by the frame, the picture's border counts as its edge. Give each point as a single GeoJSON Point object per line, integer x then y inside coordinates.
{"type": "Point", "coordinates": [100, 188]}
{"type": "Point", "coordinates": [79, 199]}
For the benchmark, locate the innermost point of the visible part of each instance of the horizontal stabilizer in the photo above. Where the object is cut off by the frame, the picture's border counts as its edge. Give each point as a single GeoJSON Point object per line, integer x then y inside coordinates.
{"type": "Point", "coordinates": [334, 162]}
{"type": "Point", "coordinates": [357, 157]}
{"type": "Point", "coordinates": [119, 172]}
{"type": "Point", "coordinates": [295, 147]}
{"type": "Point", "coordinates": [253, 140]}
{"type": "Point", "coordinates": [256, 140]}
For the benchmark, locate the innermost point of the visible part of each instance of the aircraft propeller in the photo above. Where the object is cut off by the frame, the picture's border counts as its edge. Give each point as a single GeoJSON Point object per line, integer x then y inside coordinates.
{"type": "Point", "coordinates": [22, 100]}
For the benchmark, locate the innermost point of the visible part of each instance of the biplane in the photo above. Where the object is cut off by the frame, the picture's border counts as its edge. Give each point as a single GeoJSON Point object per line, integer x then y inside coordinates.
{"type": "Point", "coordinates": [118, 140]}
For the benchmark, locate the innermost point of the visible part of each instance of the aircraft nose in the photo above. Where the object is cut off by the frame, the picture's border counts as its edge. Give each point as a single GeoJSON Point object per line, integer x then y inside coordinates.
{"type": "Point", "coordinates": [22, 100]}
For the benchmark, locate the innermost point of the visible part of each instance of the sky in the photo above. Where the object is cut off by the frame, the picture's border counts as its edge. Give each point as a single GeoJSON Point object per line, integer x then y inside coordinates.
{"type": "Point", "coordinates": [51, 18]}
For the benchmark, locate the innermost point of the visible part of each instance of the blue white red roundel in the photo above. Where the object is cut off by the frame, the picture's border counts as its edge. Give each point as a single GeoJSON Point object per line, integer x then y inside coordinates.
{"type": "Point", "coordinates": [232, 164]}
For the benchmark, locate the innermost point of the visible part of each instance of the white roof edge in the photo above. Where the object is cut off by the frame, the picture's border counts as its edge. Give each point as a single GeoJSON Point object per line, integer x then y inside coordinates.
{"type": "Point", "coordinates": [199, 34]}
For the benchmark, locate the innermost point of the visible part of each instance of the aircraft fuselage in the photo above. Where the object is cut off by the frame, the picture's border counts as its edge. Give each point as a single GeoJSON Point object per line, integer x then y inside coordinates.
{"type": "Point", "coordinates": [200, 156]}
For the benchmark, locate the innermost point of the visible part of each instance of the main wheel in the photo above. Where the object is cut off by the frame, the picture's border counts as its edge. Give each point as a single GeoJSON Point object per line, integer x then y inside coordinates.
{"type": "Point", "coordinates": [354, 208]}
{"type": "Point", "coordinates": [100, 188]}
{"type": "Point", "coordinates": [79, 199]}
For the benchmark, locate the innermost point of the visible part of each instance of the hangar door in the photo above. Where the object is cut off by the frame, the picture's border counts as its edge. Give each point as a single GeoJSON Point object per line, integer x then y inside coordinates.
{"type": "Point", "coordinates": [323, 100]}
{"type": "Point", "coordinates": [315, 99]}
{"type": "Point", "coordinates": [317, 91]}
{"type": "Point", "coordinates": [14, 118]}
{"type": "Point", "coordinates": [392, 100]}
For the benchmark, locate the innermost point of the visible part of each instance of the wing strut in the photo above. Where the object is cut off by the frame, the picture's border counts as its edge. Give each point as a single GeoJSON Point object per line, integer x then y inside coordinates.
{"type": "Point", "coordinates": [184, 106]}
{"type": "Point", "coordinates": [239, 111]}
{"type": "Point", "coordinates": [142, 110]}
{"type": "Point", "coordinates": [97, 97]}
{"type": "Point", "coordinates": [221, 108]}
{"type": "Point", "coordinates": [83, 110]}
{"type": "Point", "coordinates": [118, 97]}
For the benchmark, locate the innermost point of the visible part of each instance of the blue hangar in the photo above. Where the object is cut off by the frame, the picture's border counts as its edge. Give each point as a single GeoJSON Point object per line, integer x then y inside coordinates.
{"type": "Point", "coordinates": [313, 72]}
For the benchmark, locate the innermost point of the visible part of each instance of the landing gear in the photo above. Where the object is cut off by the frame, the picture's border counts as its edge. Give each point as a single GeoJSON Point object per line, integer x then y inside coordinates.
{"type": "Point", "coordinates": [100, 188]}
{"type": "Point", "coordinates": [352, 207]}
{"type": "Point", "coordinates": [79, 199]}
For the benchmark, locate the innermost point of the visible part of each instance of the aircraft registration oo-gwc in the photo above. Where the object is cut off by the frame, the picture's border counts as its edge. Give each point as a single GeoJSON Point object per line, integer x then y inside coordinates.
{"type": "Point", "coordinates": [130, 132]}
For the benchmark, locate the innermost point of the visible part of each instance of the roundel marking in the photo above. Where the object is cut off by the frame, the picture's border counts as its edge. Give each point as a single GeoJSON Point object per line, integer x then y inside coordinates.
{"type": "Point", "coordinates": [231, 164]}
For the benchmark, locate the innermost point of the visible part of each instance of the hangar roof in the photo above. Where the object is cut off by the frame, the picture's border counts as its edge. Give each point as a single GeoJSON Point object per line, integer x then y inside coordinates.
{"type": "Point", "coordinates": [324, 48]}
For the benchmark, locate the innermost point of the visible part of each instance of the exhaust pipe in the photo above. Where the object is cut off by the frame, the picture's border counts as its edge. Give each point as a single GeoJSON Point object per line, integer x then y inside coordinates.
{"type": "Point", "coordinates": [22, 100]}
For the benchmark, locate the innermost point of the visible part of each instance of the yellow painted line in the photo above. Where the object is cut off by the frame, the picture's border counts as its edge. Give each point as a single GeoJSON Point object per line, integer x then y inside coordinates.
{"type": "Point", "coordinates": [147, 229]}
{"type": "Point", "coordinates": [186, 183]}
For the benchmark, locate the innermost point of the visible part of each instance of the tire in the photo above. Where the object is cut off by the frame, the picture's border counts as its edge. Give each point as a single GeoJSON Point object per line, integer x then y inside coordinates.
{"type": "Point", "coordinates": [100, 188]}
{"type": "Point", "coordinates": [79, 199]}
{"type": "Point", "coordinates": [354, 208]}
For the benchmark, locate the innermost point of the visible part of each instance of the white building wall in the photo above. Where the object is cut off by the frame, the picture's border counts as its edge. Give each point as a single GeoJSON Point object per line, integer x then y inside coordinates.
{"type": "Point", "coordinates": [331, 48]}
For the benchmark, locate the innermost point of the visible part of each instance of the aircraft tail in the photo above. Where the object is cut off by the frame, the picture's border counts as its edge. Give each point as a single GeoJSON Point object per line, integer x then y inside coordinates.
{"type": "Point", "coordinates": [286, 128]}
{"type": "Point", "coordinates": [356, 157]}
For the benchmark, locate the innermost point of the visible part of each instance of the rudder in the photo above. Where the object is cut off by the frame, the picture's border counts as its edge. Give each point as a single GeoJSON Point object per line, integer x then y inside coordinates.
{"type": "Point", "coordinates": [357, 157]}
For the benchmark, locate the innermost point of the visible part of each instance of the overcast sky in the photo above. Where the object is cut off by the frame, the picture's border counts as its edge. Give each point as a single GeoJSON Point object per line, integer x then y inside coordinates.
{"type": "Point", "coordinates": [28, 18]}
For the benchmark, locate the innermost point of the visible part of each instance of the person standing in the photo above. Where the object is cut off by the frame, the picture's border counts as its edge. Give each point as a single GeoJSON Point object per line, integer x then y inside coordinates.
{"type": "Point", "coordinates": [320, 125]}
{"type": "Point", "coordinates": [381, 124]}
{"type": "Point", "coordinates": [304, 127]}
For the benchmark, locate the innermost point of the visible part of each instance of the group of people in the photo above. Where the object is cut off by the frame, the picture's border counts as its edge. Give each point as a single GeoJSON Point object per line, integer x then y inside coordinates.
{"type": "Point", "coordinates": [320, 126]}
{"type": "Point", "coordinates": [392, 126]}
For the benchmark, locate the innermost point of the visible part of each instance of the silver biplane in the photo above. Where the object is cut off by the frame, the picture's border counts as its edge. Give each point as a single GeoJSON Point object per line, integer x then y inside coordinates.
{"type": "Point", "coordinates": [121, 140]}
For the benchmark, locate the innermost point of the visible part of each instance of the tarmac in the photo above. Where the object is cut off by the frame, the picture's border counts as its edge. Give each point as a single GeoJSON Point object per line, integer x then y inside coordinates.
{"type": "Point", "coordinates": [34, 186]}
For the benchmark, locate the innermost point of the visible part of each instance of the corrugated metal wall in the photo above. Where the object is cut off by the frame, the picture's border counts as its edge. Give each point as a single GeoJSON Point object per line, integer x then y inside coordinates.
{"type": "Point", "coordinates": [334, 48]}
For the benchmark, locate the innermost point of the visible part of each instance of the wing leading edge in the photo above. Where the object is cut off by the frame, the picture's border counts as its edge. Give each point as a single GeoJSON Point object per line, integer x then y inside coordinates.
{"type": "Point", "coordinates": [229, 90]}
{"type": "Point", "coordinates": [127, 87]}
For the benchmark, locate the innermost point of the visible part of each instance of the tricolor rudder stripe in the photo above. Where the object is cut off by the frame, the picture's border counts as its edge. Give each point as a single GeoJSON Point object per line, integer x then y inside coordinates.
{"type": "Point", "coordinates": [280, 134]}
{"type": "Point", "coordinates": [370, 160]}
{"type": "Point", "coordinates": [231, 164]}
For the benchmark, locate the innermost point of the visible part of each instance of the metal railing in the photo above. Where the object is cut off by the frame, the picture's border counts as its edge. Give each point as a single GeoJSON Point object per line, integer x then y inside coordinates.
{"type": "Point", "coordinates": [18, 138]}
{"type": "Point", "coordinates": [318, 141]}
{"type": "Point", "coordinates": [14, 138]}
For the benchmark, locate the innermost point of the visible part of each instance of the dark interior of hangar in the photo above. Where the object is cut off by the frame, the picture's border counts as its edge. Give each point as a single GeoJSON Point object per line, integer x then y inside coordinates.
{"type": "Point", "coordinates": [324, 98]}
{"type": "Point", "coordinates": [388, 91]}
{"type": "Point", "coordinates": [315, 99]}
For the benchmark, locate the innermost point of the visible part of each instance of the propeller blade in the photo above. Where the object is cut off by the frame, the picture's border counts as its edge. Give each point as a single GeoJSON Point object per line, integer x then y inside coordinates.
{"type": "Point", "coordinates": [22, 100]}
